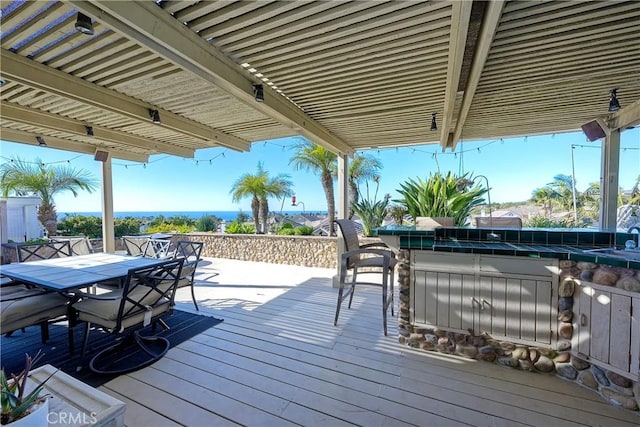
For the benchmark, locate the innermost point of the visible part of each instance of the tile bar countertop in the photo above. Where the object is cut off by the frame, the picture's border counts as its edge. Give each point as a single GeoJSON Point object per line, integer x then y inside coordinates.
{"type": "Point", "coordinates": [559, 243]}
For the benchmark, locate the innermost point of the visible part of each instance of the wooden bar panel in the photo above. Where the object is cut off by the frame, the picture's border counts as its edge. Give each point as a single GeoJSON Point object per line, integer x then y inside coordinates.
{"type": "Point", "coordinates": [528, 310]}
{"type": "Point", "coordinates": [455, 301]}
{"type": "Point", "coordinates": [600, 311]}
{"type": "Point", "coordinates": [543, 312]}
{"type": "Point", "coordinates": [442, 314]}
{"type": "Point", "coordinates": [513, 308]}
{"type": "Point", "coordinates": [499, 306]}
{"type": "Point", "coordinates": [620, 332]}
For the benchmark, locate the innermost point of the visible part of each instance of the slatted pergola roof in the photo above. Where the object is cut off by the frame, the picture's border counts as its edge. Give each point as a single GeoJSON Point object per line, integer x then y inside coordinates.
{"type": "Point", "coordinates": [349, 75]}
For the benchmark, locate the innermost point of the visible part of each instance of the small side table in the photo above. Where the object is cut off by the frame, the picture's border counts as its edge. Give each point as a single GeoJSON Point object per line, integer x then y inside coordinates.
{"type": "Point", "coordinates": [74, 403]}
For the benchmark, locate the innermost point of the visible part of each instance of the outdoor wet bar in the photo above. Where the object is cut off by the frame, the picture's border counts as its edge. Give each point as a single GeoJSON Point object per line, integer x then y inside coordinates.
{"type": "Point", "coordinates": [560, 302]}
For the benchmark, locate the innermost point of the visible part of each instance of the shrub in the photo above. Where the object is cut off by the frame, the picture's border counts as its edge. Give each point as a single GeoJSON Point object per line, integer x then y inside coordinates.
{"type": "Point", "coordinates": [286, 232]}
{"type": "Point", "coordinates": [207, 223]}
{"type": "Point", "coordinates": [80, 225]}
{"type": "Point", "coordinates": [126, 226]}
{"type": "Point", "coordinates": [236, 227]}
{"type": "Point", "coordinates": [170, 228]}
{"type": "Point", "coordinates": [303, 230]}
{"type": "Point", "coordinates": [540, 221]}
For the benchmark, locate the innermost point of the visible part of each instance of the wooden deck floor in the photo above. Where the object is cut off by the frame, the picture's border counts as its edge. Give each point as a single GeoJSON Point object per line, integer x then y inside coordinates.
{"type": "Point", "coordinates": [277, 360]}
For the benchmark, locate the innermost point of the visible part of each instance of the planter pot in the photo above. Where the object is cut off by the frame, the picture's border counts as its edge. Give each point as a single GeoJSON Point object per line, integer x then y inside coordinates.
{"type": "Point", "coordinates": [37, 418]}
{"type": "Point", "coordinates": [429, 222]}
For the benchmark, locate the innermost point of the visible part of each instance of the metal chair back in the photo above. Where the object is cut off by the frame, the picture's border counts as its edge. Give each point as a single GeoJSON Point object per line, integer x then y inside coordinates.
{"type": "Point", "coordinates": [135, 245]}
{"type": "Point", "coordinates": [33, 252]}
{"type": "Point", "coordinates": [79, 245]}
{"type": "Point", "coordinates": [190, 252]}
{"type": "Point", "coordinates": [157, 248]}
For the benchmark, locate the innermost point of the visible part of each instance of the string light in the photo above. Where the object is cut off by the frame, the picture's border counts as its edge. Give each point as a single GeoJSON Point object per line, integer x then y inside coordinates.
{"type": "Point", "coordinates": [41, 163]}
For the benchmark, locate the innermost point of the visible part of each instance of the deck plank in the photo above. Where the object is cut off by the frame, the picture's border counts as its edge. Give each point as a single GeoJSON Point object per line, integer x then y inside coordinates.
{"type": "Point", "coordinates": [277, 359]}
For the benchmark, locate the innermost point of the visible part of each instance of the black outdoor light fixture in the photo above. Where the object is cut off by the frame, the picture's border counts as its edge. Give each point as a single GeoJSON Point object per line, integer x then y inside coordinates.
{"type": "Point", "coordinates": [41, 142]}
{"type": "Point", "coordinates": [84, 25]}
{"type": "Point", "coordinates": [614, 105]}
{"type": "Point", "coordinates": [155, 116]}
{"type": "Point", "coordinates": [434, 126]}
{"type": "Point", "coordinates": [89, 130]}
{"type": "Point", "coordinates": [258, 92]}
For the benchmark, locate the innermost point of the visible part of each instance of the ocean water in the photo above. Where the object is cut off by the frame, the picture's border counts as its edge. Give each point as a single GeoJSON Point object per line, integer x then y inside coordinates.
{"type": "Point", "coordinates": [226, 215]}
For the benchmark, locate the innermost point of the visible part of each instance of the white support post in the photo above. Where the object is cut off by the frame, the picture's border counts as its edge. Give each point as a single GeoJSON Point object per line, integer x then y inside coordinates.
{"type": "Point", "coordinates": [108, 229]}
{"type": "Point", "coordinates": [343, 206]}
{"type": "Point", "coordinates": [609, 181]}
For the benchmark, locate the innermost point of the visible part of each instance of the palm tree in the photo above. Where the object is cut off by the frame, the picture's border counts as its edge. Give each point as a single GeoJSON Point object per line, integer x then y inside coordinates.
{"type": "Point", "coordinates": [362, 168]}
{"type": "Point", "coordinates": [319, 160]}
{"type": "Point", "coordinates": [37, 178]}
{"type": "Point", "coordinates": [259, 187]}
{"type": "Point", "coordinates": [562, 185]}
{"type": "Point", "coordinates": [279, 187]}
{"type": "Point", "coordinates": [635, 193]}
{"type": "Point", "coordinates": [544, 196]}
{"type": "Point", "coordinates": [253, 186]}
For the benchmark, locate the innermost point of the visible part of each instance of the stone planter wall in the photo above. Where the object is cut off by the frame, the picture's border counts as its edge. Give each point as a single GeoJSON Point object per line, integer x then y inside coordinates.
{"type": "Point", "coordinates": [309, 251]}
{"type": "Point", "coordinates": [615, 388]}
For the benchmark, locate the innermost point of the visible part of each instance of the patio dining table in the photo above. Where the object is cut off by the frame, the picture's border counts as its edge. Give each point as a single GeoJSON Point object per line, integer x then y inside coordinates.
{"type": "Point", "coordinates": [75, 272]}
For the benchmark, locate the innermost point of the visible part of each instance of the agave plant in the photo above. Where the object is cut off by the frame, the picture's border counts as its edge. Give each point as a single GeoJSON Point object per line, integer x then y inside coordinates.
{"type": "Point", "coordinates": [372, 212]}
{"type": "Point", "coordinates": [441, 196]}
{"type": "Point", "coordinates": [15, 403]}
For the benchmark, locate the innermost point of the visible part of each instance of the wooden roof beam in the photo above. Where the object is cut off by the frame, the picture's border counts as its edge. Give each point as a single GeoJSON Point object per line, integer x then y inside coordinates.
{"type": "Point", "coordinates": [489, 26]}
{"type": "Point", "coordinates": [36, 75]}
{"type": "Point", "coordinates": [18, 113]}
{"type": "Point", "coordinates": [68, 145]}
{"type": "Point", "coordinates": [150, 26]}
{"type": "Point", "coordinates": [625, 117]}
{"type": "Point", "coordinates": [460, 18]}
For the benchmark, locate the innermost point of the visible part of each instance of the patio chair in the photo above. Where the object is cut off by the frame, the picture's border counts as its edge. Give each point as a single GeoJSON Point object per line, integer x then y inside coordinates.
{"type": "Point", "coordinates": [147, 296]}
{"type": "Point", "coordinates": [372, 258]}
{"type": "Point", "coordinates": [135, 245]}
{"type": "Point", "coordinates": [190, 252]}
{"type": "Point", "coordinates": [157, 248]}
{"type": "Point", "coordinates": [37, 251]}
{"type": "Point", "coordinates": [79, 245]}
{"type": "Point", "coordinates": [21, 306]}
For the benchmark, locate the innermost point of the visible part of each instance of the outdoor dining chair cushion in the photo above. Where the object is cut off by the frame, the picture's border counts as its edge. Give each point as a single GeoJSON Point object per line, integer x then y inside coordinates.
{"type": "Point", "coordinates": [25, 307]}
{"type": "Point", "coordinates": [130, 304]}
{"type": "Point", "coordinates": [104, 308]}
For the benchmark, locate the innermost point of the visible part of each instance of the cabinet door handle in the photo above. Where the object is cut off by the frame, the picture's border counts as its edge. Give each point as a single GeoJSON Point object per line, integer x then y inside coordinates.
{"type": "Point", "coordinates": [583, 319]}
{"type": "Point", "coordinates": [474, 301]}
{"type": "Point", "coordinates": [484, 301]}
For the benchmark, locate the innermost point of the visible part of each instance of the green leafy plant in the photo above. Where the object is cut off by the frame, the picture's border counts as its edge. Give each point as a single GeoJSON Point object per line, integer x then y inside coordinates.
{"type": "Point", "coordinates": [16, 402]}
{"type": "Point", "coordinates": [441, 196]}
{"type": "Point", "coordinates": [372, 212]}
{"type": "Point", "coordinates": [236, 227]}
{"type": "Point", "coordinates": [541, 221]}
{"type": "Point", "coordinates": [303, 230]}
{"type": "Point", "coordinates": [127, 226]}
{"type": "Point", "coordinates": [397, 213]}
{"type": "Point", "coordinates": [207, 223]}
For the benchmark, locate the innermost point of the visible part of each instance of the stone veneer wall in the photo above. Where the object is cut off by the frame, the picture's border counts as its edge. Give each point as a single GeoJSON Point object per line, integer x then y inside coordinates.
{"type": "Point", "coordinates": [616, 389]}
{"type": "Point", "coordinates": [309, 251]}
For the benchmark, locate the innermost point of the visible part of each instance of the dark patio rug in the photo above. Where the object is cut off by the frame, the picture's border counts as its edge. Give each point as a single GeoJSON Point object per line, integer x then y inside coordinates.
{"type": "Point", "coordinates": [182, 325]}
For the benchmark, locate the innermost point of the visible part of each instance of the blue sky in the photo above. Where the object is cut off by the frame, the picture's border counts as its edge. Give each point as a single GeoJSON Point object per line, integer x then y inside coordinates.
{"type": "Point", "coordinates": [514, 168]}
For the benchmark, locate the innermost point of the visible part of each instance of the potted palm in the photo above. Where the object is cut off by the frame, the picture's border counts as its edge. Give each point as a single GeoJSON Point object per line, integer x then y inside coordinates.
{"type": "Point", "coordinates": [21, 408]}
{"type": "Point", "coordinates": [441, 196]}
